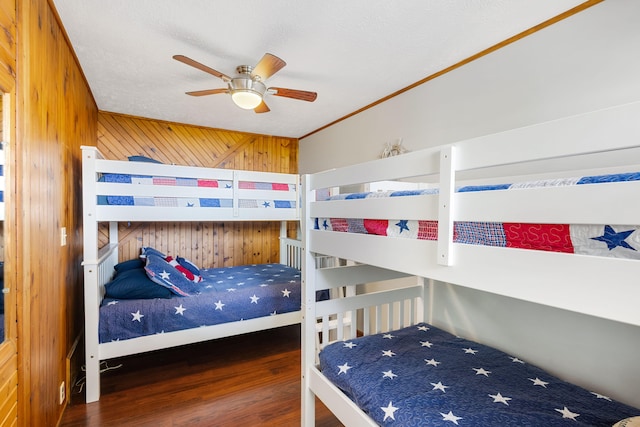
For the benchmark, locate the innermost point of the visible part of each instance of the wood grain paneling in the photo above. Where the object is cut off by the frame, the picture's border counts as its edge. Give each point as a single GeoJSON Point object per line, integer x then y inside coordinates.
{"type": "Point", "coordinates": [8, 346]}
{"type": "Point", "coordinates": [7, 43]}
{"type": "Point", "coordinates": [56, 114]}
{"type": "Point", "coordinates": [208, 244]}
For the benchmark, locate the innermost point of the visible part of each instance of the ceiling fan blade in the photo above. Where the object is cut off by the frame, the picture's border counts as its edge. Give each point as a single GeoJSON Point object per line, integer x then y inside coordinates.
{"type": "Point", "coordinates": [267, 67]}
{"type": "Point", "coordinates": [262, 108]}
{"type": "Point", "coordinates": [208, 92]}
{"type": "Point", "coordinates": [302, 95]}
{"type": "Point", "coordinates": [201, 67]}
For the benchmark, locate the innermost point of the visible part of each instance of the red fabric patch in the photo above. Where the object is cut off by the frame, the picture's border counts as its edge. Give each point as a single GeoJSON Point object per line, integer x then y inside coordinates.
{"type": "Point", "coordinates": [245, 185]}
{"type": "Point", "coordinates": [427, 230]}
{"type": "Point", "coordinates": [542, 237]}
{"type": "Point", "coordinates": [376, 226]}
{"type": "Point", "coordinates": [280, 187]}
{"type": "Point", "coordinates": [186, 273]}
{"type": "Point", "coordinates": [164, 181]}
{"type": "Point", "coordinates": [207, 183]}
{"type": "Point", "coordinates": [339, 224]}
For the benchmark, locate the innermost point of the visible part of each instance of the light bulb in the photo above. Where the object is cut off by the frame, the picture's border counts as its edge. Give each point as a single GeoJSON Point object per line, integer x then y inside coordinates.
{"type": "Point", "coordinates": [246, 99]}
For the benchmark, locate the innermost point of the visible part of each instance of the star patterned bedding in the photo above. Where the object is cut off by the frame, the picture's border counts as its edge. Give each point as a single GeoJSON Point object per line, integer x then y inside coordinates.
{"type": "Point", "coordinates": [612, 240]}
{"type": "Point", "coordinates": [194, 201]}
{"type": "Point", "coordinates": [224, 295]}
{"type": "Point", "coordinates": [424, 376]}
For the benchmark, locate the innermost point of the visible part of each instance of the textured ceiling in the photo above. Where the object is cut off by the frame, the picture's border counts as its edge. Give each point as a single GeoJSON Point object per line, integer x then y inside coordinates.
{"type": "Point", "coordinates": [351, 52]}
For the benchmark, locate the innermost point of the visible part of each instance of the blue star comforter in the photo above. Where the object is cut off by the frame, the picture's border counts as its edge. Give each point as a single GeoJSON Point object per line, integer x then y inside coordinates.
{"type": "Point", "coordinates": [424, 376]}
{"type": "Point", "coordinates": [225, 295]}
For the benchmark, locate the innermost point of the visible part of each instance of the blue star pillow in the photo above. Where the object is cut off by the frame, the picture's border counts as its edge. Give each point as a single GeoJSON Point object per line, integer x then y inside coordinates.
{"type": "Point", "coordinates": [166, 275]}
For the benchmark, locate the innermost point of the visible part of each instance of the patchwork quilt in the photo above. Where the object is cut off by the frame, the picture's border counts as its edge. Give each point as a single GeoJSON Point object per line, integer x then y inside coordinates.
{"type": "Point", "coordinates": [612, 240]}
{"type": "Point", "coordinates": [424, 376]}
{"type": "Point", "coordinates": [191, 201]}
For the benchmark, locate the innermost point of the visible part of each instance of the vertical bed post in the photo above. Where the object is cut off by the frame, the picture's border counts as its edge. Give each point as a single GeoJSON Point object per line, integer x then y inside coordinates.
{"type": "Point", "coordinates": [445, 205]}
{"type": "Point", "coordinates": [284, 256]}
{"type": "Point", "coordinates": [308, 413]}
{"type": "Point", "coordinates": [91, 275]}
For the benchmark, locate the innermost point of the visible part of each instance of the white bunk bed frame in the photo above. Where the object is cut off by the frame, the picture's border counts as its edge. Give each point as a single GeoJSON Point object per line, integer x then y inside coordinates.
{"type": "Point", "coordinates": [565, 147]}
{"type": "Point", "coordinates": [99, 262]}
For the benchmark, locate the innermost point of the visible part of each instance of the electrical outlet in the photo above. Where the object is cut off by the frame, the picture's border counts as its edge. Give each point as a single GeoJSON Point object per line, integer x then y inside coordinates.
{"type": "Point", "coordinates": [63, 393]}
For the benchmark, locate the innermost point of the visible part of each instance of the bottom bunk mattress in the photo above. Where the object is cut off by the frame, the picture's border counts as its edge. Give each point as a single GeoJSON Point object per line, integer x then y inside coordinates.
{"type": "Point", "coordinates": [224, 295]}
{"type": "Point", "coordinates": [424, 376]}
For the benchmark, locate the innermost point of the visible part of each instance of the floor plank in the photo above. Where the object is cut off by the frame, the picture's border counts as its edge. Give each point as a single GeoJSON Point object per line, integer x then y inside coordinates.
{"type": "Point", "coordinates": [249, 380]}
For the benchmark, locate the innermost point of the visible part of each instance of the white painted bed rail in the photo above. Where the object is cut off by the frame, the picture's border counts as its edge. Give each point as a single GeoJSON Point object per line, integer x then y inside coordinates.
{"type": "Point", "coordinates": [94, 165]}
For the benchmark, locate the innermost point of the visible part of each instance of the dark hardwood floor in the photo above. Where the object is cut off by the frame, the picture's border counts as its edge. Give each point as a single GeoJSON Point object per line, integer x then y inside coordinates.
{"type": "Point", "coordinates": [249, 380]}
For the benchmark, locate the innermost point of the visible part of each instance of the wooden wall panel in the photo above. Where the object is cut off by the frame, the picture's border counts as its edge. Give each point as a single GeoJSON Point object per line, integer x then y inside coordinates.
{"type": "Point", "coordinates": [56, 114]}
{"type": "Point", "coordinates": [8, 346]}
{"type": "Point", "coordinates": [207, 244]}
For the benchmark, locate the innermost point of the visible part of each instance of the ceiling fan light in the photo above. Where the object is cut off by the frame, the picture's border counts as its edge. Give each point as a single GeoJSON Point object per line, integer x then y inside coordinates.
{"type": "Point", "coordinates": [246, 99]}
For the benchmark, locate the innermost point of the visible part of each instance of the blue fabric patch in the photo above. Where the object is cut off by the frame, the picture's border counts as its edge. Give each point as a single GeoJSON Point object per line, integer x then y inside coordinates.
{"type": "Point", "coordinates": [617, 177]}
{"type": "Point", "coordinates": [356, 196]}
{"type": "Point", "coordinates": [283, 204]}
{"type": "Point", "coordinates": [120, 200]}
{"type": "Point", "coordinates": [469, 188]}
{"type": "Point", "coordinates": [116, 177]}
{"type": "Point", "coordinates": [401, 193]}
{"type": "Point", "coordinates": [210, 203]}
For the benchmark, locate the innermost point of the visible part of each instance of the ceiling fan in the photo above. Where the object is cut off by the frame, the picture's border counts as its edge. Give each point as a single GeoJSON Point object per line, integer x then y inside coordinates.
{"type": "Point", "coordinates": [247, 88]}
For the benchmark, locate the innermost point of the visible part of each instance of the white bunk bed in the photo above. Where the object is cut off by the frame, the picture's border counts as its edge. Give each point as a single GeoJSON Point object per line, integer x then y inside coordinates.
{"type": "Point", "coordinates": [220, 195]}
{"type": "Point", "coordinates": [605, 141]}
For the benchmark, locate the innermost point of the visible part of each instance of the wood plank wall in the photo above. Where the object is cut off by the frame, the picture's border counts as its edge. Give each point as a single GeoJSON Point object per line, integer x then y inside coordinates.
{"type": "Point", "coordinates": [208, 244]}
{"type": "Point", "coordinates": [56, 114]}
{"type": "Point", "coordinates": [9, 346]}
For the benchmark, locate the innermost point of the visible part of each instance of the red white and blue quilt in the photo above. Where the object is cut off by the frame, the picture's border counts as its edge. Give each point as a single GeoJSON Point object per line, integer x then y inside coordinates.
{"type": "Point", "coordinates": [611, 240]}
